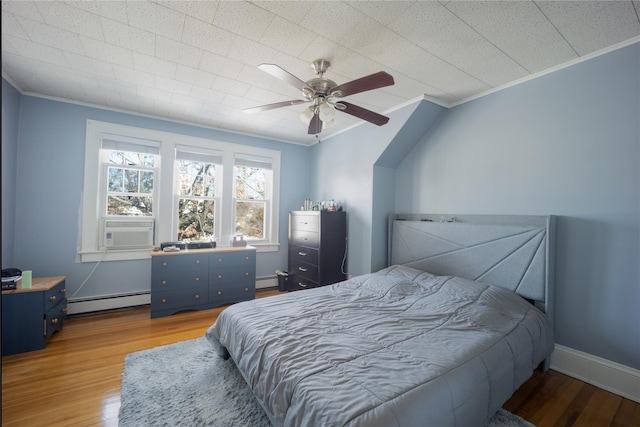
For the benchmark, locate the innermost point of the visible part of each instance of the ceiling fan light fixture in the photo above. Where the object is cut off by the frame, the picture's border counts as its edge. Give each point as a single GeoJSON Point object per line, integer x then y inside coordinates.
{"type": "Point", "coordinates": [306, 115]}
{"type": "Point", "coordinates": [326, 112]}
{"type": "Point", "coordinates": [326, 124]}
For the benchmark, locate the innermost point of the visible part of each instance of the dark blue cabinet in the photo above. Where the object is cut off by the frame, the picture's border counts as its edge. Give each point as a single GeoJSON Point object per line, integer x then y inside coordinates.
{"type": "Point", "coordinates": [317, 248]}
{"type": "Point", "coordinates": [31, 316]}
{"type": "Point", "coordinates": [200, 279]}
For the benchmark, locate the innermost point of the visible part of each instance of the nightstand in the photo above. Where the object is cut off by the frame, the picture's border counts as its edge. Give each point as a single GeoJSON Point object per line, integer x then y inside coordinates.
{"type": "Point", "coordinates": [30, 316]}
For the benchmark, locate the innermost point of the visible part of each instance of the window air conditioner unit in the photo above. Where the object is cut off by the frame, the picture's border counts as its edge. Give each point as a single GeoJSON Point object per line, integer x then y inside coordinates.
{"type": "Point", "coordinates": [128, 234]}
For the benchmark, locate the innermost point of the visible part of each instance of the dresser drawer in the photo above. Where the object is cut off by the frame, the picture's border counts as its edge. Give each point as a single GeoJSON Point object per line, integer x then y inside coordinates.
{"type": "Point", "coordinates": [182, 299]}
{"type": "Point", "coordinates": [232, 267]}
{"type": "Point", "coordinates": [304, 254]}
{"type": "Point", "coordinates": [180, 265]}
{"type": "Point", "coordinates": [55, 318]}
{"type": "Point", "coordinates": [173, 282]}
{"type": "Point", "coordinates": [305, 238]}
{"type": "Point", "coordinates": [179, 272]}
{"type": "Point", "coordinates": [302, 222]}
{"type": "Point", "coordinates": [299, 283]}
{"type": "Point", "coordinates": [228, 294]}
{"type": "Point", "coordinates": [303, 269]}
{"type": "Point", "coordinates": [54, 295]}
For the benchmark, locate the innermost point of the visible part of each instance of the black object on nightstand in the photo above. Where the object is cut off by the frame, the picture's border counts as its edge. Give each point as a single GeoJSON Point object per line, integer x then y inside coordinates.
{"type": "Point", "coordinates": [317, 248]}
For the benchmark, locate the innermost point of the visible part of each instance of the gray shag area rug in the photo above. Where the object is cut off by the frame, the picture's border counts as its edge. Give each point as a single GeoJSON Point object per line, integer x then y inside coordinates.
{"type": "Point", "coordinates": [188, 384]}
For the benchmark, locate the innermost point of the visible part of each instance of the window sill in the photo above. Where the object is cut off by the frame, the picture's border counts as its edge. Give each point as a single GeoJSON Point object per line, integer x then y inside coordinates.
{"type": "Point", "coordinates": [266, 247]}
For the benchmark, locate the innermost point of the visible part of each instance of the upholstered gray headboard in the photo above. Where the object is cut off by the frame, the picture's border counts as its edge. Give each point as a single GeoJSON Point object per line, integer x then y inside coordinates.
{"type": "Point", "coordinates": [512, 251]}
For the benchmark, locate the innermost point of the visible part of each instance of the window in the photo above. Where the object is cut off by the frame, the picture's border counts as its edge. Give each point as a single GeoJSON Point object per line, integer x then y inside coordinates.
{"type": "Point", "coordinates": [252, 180]}
{"type": "Point", "coordinates": [145, 185]}
{"type": "Point", "coordinates": [196, 173]}
{"type": "Point", "coordinates": [129, 171]}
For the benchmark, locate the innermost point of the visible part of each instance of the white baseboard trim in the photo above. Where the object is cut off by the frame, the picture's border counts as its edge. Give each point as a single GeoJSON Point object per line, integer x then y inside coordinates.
{"type": "Point", "coordinates": [602, 373]}
{"type": "Point", "coordinates": [108, 302]}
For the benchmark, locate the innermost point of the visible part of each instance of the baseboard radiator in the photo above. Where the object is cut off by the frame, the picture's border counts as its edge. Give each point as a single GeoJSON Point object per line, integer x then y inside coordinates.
{"type": "Point", "coordinates": [108, 302]}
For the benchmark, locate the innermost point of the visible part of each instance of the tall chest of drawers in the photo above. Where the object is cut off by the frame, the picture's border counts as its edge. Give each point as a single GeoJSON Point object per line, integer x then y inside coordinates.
{"type": "Point", "coordinates": [317, 248]}
{"type": "Point", "coordinates": [200, 279]}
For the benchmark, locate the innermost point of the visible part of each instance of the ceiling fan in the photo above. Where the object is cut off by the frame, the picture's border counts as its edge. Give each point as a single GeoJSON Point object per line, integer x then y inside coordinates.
{"type": "Point", "coordinates": [325, 94]}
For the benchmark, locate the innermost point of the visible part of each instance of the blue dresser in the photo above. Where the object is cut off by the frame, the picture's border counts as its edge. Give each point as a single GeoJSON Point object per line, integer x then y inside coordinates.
{"type": "Point", "coordinates": [31, 315]}
{"type": "Point", "coordinates": [199, 279]}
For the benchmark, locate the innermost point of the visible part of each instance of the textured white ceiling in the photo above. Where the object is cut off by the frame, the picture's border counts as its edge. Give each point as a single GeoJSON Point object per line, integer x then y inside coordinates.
{"type": "Point", "coordinates": [196, 61]}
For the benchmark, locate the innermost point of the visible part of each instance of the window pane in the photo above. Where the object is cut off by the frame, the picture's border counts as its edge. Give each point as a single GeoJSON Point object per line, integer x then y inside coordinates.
{"type": "Point", "coordinates": [148, 160]}
{"type": "Point", "coordinates": [116, 177]}
{"type": "Point", "coordinates": [250, 183]}
{"type": "Point", "coordinates": [130, 158]}
{"type": "Point", "coordinates": [250, 219]}
{"type": "Point", "coordinates": [195, 219]}
{"type": "Point", "coordinates": [131, 181]}
{"type": "Point", "coordinates": [116, 157]}
{"type": "Point", "coordinates": [129, 205]}
{"type": "Point", "coordinates": [196, 178]}
{"type": "Point", "coordinates": [146, 182]}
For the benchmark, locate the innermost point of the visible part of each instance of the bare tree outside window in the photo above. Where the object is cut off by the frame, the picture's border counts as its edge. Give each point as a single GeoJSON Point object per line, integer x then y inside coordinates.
{"type": "Point", "coordinates": [196, 203]}
{"type": "Point", "coordinates": [251, 201]}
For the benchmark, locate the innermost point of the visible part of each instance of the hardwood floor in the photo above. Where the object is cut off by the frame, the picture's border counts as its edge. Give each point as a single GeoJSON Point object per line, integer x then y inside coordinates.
{"type": "Point", "coordinates": [75, 380]}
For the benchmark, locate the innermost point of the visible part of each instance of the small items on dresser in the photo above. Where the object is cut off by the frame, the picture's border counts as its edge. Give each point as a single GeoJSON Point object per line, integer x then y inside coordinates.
{"type": "Point", "coordinates": [323, 206]}
{"type": "Point", "coordinates": [238, 241]}
{"type": "Point", "coordinates": [10, 278]}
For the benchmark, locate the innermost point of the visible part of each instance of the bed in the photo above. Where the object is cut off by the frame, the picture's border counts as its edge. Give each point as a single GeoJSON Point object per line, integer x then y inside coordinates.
{"type": "Point", "coordinates": [443, 336]}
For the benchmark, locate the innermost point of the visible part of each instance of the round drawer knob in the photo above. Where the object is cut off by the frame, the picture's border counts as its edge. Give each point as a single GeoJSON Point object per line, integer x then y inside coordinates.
{"type": "Point", "coordinates": [54, 321]}
{"type": "Point", "coordinates": [52, 298]}
{"type": "Point", "coordinates": [63, 290]}
{"type": "Point", "coordinates": [65, 310]}
{"type": "Point", "coordinates": [164, 282]}
{"type": "Point", "coordinates": [219, 259]}
{"type": "Point", "coordinates": [164, 264]}
{"type": "Point", "coordinates": [197, 261]}
{"type": "Point", "coordinates": [247, 258]}
{"type": "Point", "coordinates": [219, 276]}
{"type": "Point", "coordinates": [197, 279]}
{"type": "Point", "coordinates": [246, 289]}
{"type": "Point", "coordinates": [219, 292]}
{"type": "Point", "coordinates": [246, 274]}
{"type": "Point", "coordinates": [197, 296]}
{"type": "Point", "coordinates": [164, 300]}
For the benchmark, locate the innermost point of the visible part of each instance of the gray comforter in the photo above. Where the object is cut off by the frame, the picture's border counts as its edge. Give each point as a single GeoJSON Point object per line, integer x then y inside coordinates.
{"type": "Point", "coordinates": [399, 347]}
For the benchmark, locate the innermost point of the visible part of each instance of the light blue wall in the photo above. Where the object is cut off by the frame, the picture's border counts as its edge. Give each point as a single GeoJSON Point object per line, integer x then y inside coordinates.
{"type": "Point", "coordinates": [10, 114]}
{"type": "Point", "coordinates": [49, 182]}
{"type": "Point", "coordinates": [566, 144]}
{"type": "Point", "coordinates": [342, 169]}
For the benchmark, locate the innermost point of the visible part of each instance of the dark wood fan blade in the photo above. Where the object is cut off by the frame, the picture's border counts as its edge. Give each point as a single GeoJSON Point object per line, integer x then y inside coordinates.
{"type": "Point", "coordinates": [363, 84]}
{"type": "Point", "coordinates": [362, 113]}
{"type": "Point", "coordinates": [315, 125]}
{"type": "Point", "coordinates": [286, 76]}
{"type": "Point", "coordinates": [272, 106]}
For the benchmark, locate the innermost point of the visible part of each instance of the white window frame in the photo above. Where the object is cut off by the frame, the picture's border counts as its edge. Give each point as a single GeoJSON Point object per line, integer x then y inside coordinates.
{"type": "Point", "coordinates": [219, 178]}
{"type": "Point", "coordinates": [165, 185]}
{"type": "Point", "coordinates": [244, 159]}
{"type": "Point", "coordinates": [105, 165]}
